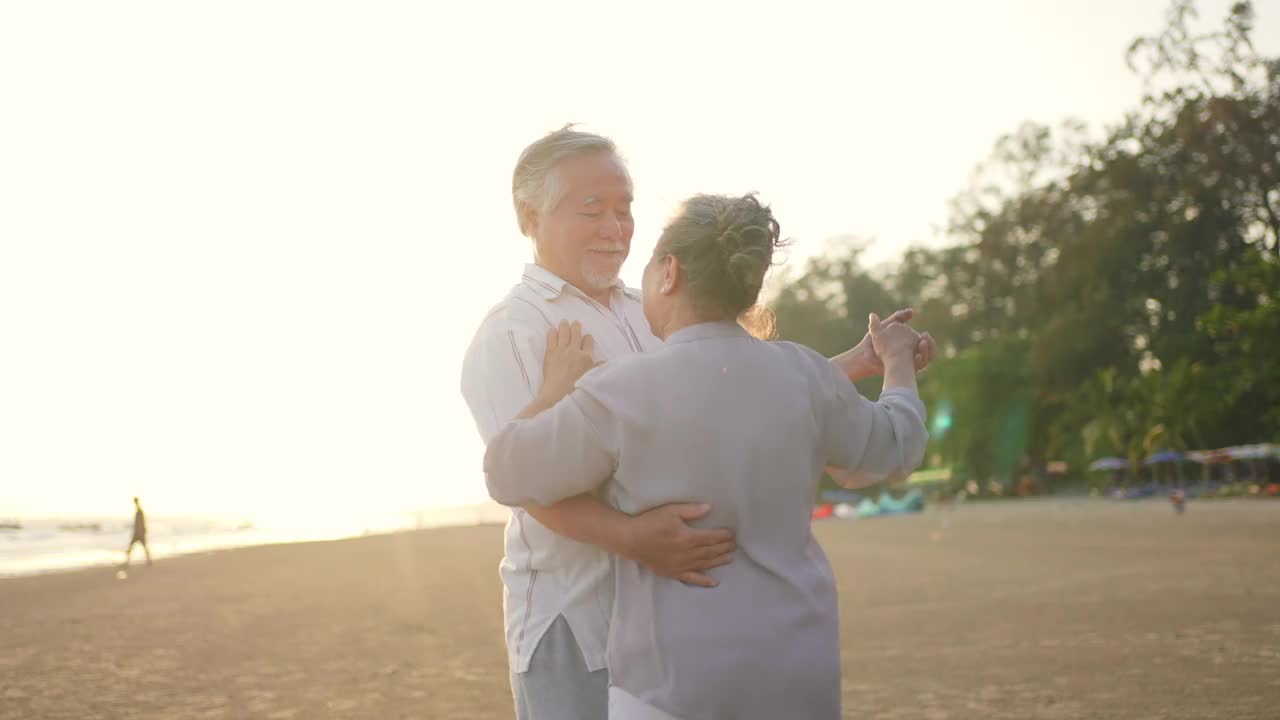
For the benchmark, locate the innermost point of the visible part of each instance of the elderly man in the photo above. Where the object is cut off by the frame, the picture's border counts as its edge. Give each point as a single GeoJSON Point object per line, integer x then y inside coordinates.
{"type": "Point", "coordinates": [572, 195]}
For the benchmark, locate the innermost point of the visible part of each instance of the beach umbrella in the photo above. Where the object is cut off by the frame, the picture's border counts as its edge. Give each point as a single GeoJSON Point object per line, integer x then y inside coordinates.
{"type": "Point", "coordinates": [1109, 463]}
{"type": "Point", "coordinates": [1208, 458]}
{"type": "Point", "coordinates": [1251, 452]}
{"type": "Point", "coordinates": [1253, 455]}
{"type": "Point", "coordinates": [1165, 456]}
{"type": "Point", "coordinates": [1161, 458]}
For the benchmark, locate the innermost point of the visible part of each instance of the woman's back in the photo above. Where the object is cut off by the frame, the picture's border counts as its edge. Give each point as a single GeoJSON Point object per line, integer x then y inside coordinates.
{"type": "Point", "coordinates": [731, 423]}
{"type": "Point", "coordinates": [718, 417]}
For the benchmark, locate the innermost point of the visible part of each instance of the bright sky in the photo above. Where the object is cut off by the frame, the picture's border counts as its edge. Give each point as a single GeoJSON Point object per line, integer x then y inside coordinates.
{"type": "Point", "coordinates": [243, 245]}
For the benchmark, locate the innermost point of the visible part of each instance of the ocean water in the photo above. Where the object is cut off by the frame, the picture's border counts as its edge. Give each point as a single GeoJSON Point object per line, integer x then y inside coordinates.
{"type": "Point", "coordinates": [45, 544]}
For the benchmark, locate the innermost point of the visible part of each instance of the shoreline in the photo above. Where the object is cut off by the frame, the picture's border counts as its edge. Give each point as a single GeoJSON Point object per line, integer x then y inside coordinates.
{"type": "Point", "coordinates": [44, 545]}
{"type": "Point", "coordinates": [139, 560]}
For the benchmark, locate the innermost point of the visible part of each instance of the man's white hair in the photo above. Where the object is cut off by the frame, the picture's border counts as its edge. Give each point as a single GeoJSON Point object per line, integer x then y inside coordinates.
{"type": "Point", "coordinates": [536, 185]}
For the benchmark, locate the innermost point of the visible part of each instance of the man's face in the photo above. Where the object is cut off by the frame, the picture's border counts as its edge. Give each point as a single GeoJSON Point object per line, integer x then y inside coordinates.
{"type": "Point", "coordinates": [586, 238]}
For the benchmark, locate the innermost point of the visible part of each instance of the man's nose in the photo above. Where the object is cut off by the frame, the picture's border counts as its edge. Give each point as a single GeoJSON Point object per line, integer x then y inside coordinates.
{"type": "Point", "coordinates": [611, 228]}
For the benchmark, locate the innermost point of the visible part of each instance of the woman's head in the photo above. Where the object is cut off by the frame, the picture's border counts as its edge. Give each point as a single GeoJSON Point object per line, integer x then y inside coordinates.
{"type": "Point", "coordinates": [710, 262]}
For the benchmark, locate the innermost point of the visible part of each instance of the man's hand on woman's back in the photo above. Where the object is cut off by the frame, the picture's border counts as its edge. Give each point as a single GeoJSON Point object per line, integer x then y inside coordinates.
{"type": "Point", "coordinates": [662, 540]}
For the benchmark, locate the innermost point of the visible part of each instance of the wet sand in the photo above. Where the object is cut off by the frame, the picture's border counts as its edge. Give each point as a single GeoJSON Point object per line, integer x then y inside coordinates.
{"type": "Point", "coordinates": [1017, 609]}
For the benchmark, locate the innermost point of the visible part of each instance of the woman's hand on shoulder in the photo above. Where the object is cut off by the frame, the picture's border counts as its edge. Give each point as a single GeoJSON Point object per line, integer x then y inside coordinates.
{"type": "Point", "coordinates": [570, 354]}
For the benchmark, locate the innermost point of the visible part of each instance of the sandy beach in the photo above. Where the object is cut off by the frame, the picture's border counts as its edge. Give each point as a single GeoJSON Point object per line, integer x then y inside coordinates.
{"type": "Point", "coordinates": [1028, 609]}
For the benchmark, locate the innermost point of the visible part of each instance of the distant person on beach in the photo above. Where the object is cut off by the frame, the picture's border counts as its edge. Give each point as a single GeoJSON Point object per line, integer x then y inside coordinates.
{"type": "Point", "coordinates": [572, 197]}
{"type": "Point", "coordinates": [724, 418]}
{"type": "Point", "coordinates": [139, 534]}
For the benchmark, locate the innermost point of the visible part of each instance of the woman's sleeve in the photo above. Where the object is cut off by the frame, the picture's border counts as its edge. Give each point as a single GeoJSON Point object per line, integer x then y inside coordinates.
{"type": "Point", "coordinates": [881, 439]}
{"type": "Point", "coordinates": [554, 455]}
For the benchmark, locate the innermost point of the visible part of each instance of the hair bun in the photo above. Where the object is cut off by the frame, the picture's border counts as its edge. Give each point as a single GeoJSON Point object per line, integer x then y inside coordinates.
{"type": "Point", "coordinates": [725, 245]}
{"type": "Point", "coordinates": [748, 264]}
{"type": "Point", "coordinates": [748, 236]}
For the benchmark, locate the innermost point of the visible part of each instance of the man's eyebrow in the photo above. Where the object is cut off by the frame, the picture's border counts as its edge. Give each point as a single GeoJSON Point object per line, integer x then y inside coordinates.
{"type": "Point", "coordinates": [595, 199]}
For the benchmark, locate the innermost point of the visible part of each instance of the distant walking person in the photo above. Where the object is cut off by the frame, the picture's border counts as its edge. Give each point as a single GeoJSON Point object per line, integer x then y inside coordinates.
{"type": "Point", "coordinates": [139, 534]}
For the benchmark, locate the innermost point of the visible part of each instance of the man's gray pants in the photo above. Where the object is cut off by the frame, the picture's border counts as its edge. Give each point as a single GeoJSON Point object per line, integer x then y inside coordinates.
{"type": "Point", "coordinates": [558, 685]}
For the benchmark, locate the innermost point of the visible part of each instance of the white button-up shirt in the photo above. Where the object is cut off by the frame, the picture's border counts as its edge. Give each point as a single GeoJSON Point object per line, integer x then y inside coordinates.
{"type": "Point", "coordinates": [544, 574]}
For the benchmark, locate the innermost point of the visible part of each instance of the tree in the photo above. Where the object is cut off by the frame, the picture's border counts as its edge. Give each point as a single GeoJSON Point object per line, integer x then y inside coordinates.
{"type": "Point", "coordinates": [1112, 295]}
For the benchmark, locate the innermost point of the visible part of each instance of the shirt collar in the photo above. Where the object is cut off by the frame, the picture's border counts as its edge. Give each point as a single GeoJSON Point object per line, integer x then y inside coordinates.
{"type": "Point", "coordinates": [551, 286]}
{"type": "Point", "coordinates": [708, 331]}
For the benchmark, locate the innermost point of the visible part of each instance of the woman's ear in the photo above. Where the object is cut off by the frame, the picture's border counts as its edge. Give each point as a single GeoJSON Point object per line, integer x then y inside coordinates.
{"type": "Point", "coordinates": [672, 275]}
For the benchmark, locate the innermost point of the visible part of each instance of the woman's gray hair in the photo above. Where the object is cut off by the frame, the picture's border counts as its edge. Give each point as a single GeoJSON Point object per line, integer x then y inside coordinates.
{"type": "Point", "coordinates": [725, 246]}
{"type": "Point", "coordinates": [536, 182]}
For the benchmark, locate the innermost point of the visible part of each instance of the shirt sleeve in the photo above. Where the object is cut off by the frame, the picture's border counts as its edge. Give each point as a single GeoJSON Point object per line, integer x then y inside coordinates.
{"type": "Point", "coordinates": [501, 373]}
{"type": "Point", "coordinates": [882, 439]}
{"type": "Point", "coordinates": [559, 453]}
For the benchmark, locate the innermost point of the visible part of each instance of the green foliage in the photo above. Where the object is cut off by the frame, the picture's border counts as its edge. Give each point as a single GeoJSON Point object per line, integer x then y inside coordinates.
{"type": "Point", "coordinates": [1100, 297]}
{"type": "Point", "coordinates": [981, 406]}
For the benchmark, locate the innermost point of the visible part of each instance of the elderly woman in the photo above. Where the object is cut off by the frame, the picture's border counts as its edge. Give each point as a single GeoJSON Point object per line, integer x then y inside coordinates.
{"type": "Point", "coordinates": [715, 416]}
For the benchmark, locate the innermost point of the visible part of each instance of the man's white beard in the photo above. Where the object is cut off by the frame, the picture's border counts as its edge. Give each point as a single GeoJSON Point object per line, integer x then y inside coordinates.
{"type": "Point", "coordinates": [597, 280]}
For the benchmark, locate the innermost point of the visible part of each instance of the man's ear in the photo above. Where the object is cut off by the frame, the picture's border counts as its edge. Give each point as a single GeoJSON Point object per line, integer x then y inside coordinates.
{"type": "Point", "coordinates": [528, 220]}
